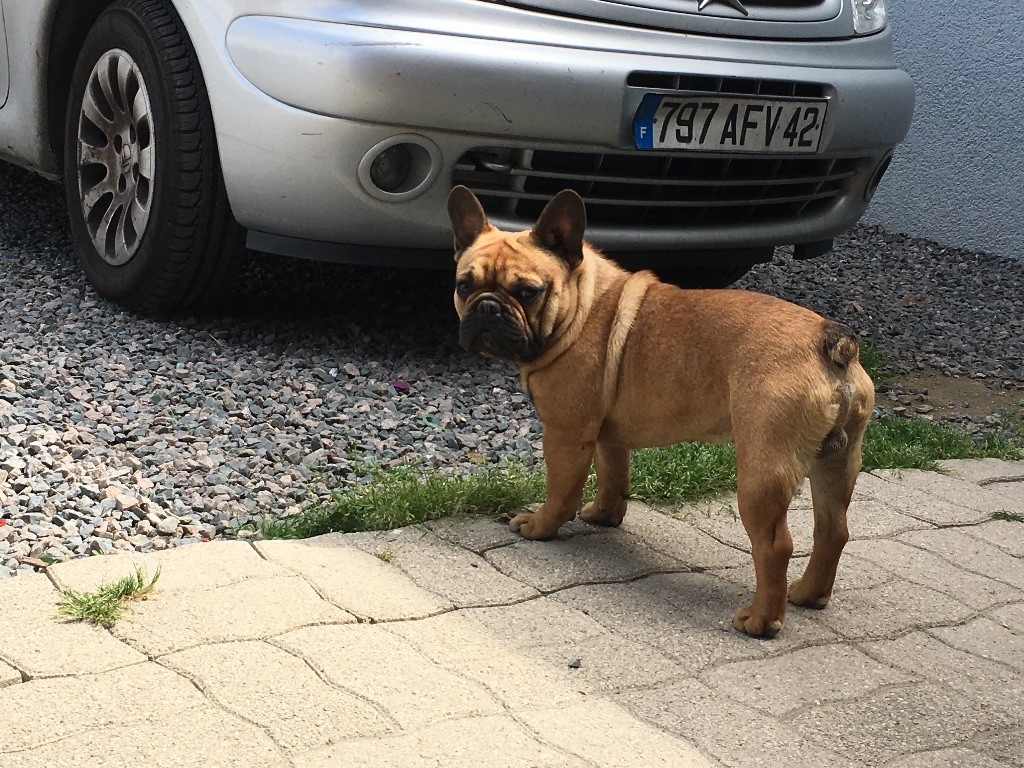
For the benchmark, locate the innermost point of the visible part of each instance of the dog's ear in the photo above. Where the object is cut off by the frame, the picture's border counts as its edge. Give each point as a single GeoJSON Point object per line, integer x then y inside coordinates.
{"type": "Point", "coordinates": [467, 216]}
{"type": "Point", "coordinates": [560, 227]}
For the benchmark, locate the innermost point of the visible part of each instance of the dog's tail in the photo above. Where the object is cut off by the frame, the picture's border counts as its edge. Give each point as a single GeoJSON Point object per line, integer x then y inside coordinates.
{"type": "Point", "coordinates": [841, 348]}
{"type": "Point", "coordinates": [840, 344]}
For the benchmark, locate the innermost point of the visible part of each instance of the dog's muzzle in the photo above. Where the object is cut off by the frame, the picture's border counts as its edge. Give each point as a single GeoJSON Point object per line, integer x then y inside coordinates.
{"type": "Point", "coordinates": [491, 328]}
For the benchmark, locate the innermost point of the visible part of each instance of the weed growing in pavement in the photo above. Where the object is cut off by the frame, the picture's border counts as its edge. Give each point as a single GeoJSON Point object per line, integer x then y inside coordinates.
{"type": "Point", "coordinates": [1008, 516]}
{"type": "Point", "coordinates": [106, 604]}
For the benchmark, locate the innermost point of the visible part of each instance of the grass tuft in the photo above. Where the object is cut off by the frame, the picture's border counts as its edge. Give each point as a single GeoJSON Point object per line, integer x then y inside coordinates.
{"type": "Point", "coordinates": [684, 472]}
{"type": "Point", "coordinates": [1008, 516]}
{"type": "Point", "coordinates": [106, 604]}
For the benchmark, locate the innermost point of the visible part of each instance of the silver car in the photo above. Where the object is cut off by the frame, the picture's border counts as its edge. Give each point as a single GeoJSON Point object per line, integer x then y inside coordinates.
{"type": "Point", "coordinates": [702, 133]}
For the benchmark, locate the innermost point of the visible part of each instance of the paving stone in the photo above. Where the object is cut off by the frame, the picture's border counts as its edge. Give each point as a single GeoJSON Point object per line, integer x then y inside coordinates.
{"type": "Point", "coordinates": [853, 573]}
{"type": "Point", "coordinates": [1012, 492]}
{"type": "Point", "coordinates": [196, 737]}
{"type": "Point", "coordinates": [989, 685]}
{"type": "Point", "coordinates": [968, 552]}
{"type": "Point", "coordinates": [956, 757]}
{"type": "Point", "coordinates": [889, 610]}
{"type": "Point", "coordinates": [120, 697]}
{"type": "Point", "coordinates": [1010, 616]}
{"type": "Point", "coordinates": [687, 617]}
{"type": "Point", "coordinates": [477, 534]}
{"type": "Point", "coordinates": [35, 640]}
{"type": "Point", "coordinates": [1006, 747]}
{"type": "Point", "coordinates": [461, 577]}
{"type": "Point", "coordinates": [983, 471]}
{"type": "Point", "coordinates": [1004, 534]}
{"type": "Point", "coordinates": [196, 567]}
{"type": "Point", "coordinates": [610, 736]}
{"type": "Point", "coordinates": [917, 503]}
{"type": "Point", "coordinates": [181, 619]}
{"type": "Point", "coordinates": [961, 493]}
{"type": "Point", "coordinates": [485, 742]}
{"type": "Point", "coordinates": [461, 644]}
{"type": "Point", "coordinates": [553, 633]}
{"type": "Point", "coordinates": [895, 722]}
{"type": "Point", "coordinates": [356, 581]}
{"type": "Point", "coordinates": [930, 570]}
{"type": "Point", "coordinates": [384, 668]}
{"type": "Point", "coordinates": [679, 540]}
{"type": "Point", "coordinates": [736, 735]}
{"type": "Point", "coordinates": [985, 638]}
{"type": "Point", "coordinates": [551, 565]}
{"type": "Point", "coordinates": [869, 518]}
{"type": "Point", "coordinates": [280, 693]}
{"type": "Point", "coordinates": [802, 677]}
{"type": "Point", "coordinates": [8, 675]}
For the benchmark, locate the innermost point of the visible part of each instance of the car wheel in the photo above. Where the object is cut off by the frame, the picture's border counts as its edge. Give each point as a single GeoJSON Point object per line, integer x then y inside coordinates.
{"type": "Point", "coordinates": [149, 213]}
{"type": "Point", "coordinates": [703, 277]}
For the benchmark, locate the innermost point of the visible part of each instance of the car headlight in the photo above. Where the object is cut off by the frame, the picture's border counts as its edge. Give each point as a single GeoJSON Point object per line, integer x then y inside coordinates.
{"type": "Point", "coordinates": [869, 16]}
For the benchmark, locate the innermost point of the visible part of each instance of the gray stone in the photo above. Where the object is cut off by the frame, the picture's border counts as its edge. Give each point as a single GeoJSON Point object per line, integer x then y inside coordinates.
{"type": "Point", "coordinates": [804, 677]}
{"type": "Point", "coordinates": [613, 555]}
{"type": "Point", "coordinates": [897, 721]}
{"type": "Point", "coordinates": [733, 734]}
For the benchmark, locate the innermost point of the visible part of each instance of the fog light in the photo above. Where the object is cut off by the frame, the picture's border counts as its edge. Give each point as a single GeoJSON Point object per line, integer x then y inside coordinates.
{"type": "Point", "coordinates": [869, 16]}
{"type": "Point", "coordinates": [390, 168]}
{"type": "Point", "coordinates": [400, 168]}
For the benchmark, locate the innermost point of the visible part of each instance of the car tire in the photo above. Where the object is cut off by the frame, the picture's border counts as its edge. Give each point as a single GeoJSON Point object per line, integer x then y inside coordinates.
{"type": "Point", "coordinates": [703, 277]}
{"type": "Point", "coordinates": [149, 213]}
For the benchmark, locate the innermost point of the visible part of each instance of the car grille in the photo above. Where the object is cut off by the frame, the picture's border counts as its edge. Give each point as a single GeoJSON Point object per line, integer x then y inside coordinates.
{"type": "Point", "coordinates": [724, 86]}
{"type": "Point", "coordinates": [657, 190]}
{"type": "Point", "coordinates": [753, 10]}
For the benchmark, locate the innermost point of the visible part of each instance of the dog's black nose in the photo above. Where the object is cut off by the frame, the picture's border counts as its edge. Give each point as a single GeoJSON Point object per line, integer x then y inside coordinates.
{"type": "Point", "coordinates": [488, 307]}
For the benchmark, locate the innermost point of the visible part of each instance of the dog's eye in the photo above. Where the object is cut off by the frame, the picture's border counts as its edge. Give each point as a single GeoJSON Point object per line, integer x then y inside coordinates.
{"type": "Point", "coordinates": [463, 288]}
{"type": "Point", "coordinates": [528, 293]}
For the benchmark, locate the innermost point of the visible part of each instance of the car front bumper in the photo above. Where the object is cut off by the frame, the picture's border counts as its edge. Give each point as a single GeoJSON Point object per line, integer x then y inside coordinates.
{"type": "Point", "coordinates": [317, 94]}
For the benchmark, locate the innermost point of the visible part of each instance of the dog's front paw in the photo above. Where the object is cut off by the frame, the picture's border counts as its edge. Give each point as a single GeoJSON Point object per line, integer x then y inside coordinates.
{"type": "Point", "coordinates": [530, 526]}
{"type": "Point", "coordinates": [755, 624]}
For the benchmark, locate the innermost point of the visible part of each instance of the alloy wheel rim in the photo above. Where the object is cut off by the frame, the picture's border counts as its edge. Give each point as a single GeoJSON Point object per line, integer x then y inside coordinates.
{"type": "Point", "coordinates": [116, 157]}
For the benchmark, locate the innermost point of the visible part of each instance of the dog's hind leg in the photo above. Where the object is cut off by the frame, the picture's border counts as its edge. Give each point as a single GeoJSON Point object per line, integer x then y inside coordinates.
{"type": "Point", "coordinates": [609, 507]}
{"type": "Point", "coordinates": [765, 489]}
{"type": "Point", "coordinates": [832, 481]}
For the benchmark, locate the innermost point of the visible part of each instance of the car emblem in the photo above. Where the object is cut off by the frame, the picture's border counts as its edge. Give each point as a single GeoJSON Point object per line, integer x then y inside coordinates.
{"type": "Point", "coordinates": [731, 3]}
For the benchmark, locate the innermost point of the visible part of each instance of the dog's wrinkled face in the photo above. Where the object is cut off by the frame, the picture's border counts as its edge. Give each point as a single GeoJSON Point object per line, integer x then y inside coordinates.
{"type": "Point", "coordinates": [510, 288]}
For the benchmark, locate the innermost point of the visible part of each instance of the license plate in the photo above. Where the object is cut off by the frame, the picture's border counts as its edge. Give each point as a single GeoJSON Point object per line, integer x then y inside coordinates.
{"type": "Point", "coordinates": [698, 122]}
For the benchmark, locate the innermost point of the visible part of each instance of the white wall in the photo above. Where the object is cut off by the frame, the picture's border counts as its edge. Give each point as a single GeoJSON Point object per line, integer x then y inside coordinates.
{"type": "Point", "coordinates": [959, 176]}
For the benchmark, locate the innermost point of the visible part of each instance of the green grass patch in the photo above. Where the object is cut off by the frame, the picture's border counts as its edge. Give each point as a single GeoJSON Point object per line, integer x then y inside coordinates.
{"type": "Point", "coordinates": [1008, 516]}
{"type": "Point", "coordinates": [678, 474]}
{"type": "Point", "coordinates": [684, 472]}
{"type": "Point", "coordinates": [873, 362]}
{"type": "Point", "coordinates": [405, 496]}
{"type": "Point", "coordinates": [105, 605]}
{"type": "Point", "coordinates": [894, 443]}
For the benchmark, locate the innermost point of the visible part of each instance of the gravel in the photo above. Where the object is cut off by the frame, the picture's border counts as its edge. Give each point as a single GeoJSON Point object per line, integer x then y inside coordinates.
{"type": "Point", "coordinates": [125, 433]}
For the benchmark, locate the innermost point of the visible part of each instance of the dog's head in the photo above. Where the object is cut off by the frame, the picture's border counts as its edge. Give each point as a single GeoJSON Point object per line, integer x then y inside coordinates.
{"type": "Point", "coordinates": [512, 288]}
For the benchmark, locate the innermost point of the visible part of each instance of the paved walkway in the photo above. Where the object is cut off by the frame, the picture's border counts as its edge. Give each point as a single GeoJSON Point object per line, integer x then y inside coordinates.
{"type": "Point", "coordinates": [460, 645]}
